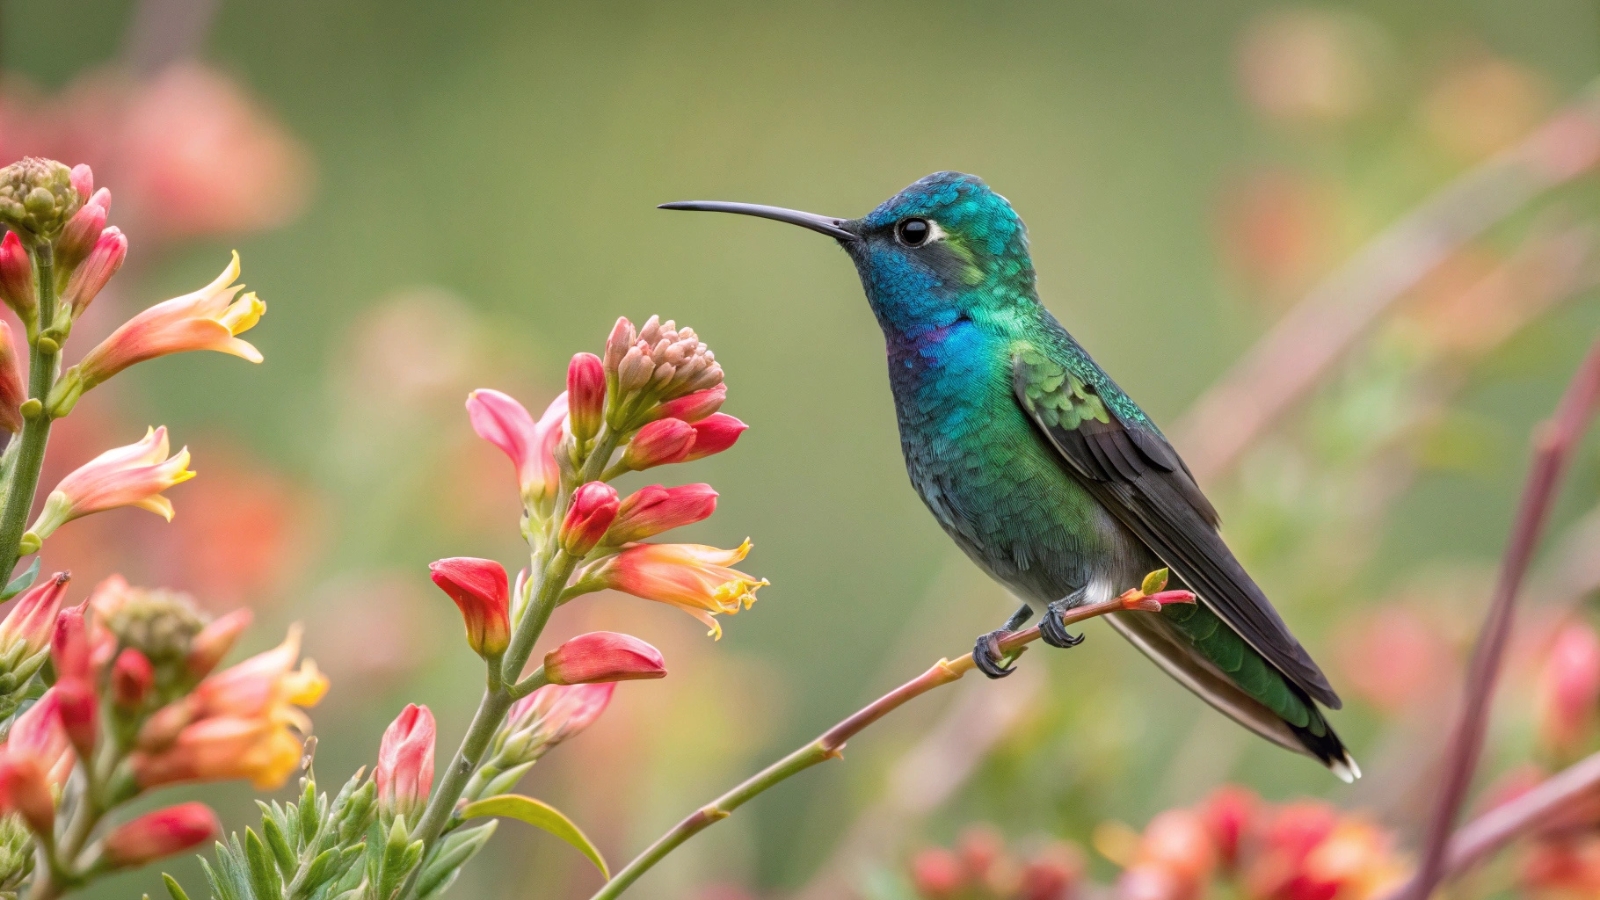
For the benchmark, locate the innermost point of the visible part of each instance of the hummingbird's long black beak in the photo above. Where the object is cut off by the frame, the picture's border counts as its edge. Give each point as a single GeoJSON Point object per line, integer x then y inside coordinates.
{"type": "Point", "coordinates": [827, 225]}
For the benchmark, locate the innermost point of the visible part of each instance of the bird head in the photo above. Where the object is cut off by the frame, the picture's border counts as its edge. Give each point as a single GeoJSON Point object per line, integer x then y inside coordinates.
{"type": "Point", "coordinates": [946, 248]}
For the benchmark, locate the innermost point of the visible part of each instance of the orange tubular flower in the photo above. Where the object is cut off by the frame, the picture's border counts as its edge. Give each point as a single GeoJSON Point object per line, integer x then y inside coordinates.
{"type": "Point", "coordinates": [505, 423]}
{"type": "Point", "coordinates": [134, 475]}
{"type": "Point", "coordinates": [693, 577]}
{"type": "Point", "coordinates": [238, 723]}
{"type": "Point", "coordinates": [208, 319]}
{"type": "Point", "coordinates": [215, 640]}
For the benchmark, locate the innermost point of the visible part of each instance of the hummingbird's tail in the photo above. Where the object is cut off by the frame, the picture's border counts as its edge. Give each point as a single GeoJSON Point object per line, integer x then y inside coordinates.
{"type": "Point", "coordinates": [1292, 721]}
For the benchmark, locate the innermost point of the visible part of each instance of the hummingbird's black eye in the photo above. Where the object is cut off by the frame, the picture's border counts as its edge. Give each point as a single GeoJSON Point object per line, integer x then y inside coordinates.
{"type": "Point", "coordinates": [913, 232]}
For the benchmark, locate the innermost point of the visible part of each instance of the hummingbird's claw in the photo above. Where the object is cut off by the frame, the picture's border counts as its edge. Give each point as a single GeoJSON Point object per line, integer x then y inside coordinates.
{"type": "Point", "coordinates": [1053, 632]}
{"type": "Point", "coordinates": [986, 655]}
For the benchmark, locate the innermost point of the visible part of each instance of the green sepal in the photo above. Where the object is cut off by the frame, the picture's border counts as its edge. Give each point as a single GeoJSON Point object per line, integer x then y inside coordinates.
{"type": "Point", "coordinates": [1155, 582]}
{"type": "Point", "coordinates": [229, 879]}
{"type": "Point", "coordinates": [310, 813]}
{"type": "Point", "coordinates": [397, 856]}
{"type": "Point", "coordinates": [456, 850]}
{"type": "Point", "coordinates": [22, 582]}
{"type": "Point", "coordinates": [539, 815]}
{"type": "Point", "coordinates": [278, 843]}
{"type": "Point", "coordinates": [174, 889]}
{"type": "Point", "coordinates": [264, 878]}
{"type": "Point", "coordinates": [321, 869]}
{"type": "Point", "coordinates": [505, 781]}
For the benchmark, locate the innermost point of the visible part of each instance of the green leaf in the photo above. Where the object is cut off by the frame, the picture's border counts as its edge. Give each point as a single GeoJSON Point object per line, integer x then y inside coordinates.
{"type": "Point", "coordinates": [539, 815]}
{"type": "Point", "coordinates": [455, 851]}
{"type": "Point", "coordinates": [173, 887]}
{"type": "Point", "coordinates": [279, 845]}
{"type": "Point", "coordinates": [264, 879]}
{"type": "Point", "coordinates": [21, 582]}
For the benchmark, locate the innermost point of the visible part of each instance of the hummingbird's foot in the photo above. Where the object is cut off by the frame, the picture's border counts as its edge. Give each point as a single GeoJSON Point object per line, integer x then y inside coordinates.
{"type": "Point", "coordinates": [987, 657]}
{"type": "Point", "coordinates": [1051, 629]}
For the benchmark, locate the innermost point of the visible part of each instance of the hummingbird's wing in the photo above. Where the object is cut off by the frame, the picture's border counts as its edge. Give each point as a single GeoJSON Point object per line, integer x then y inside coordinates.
{"type": "Point", "coordinates": [1131, 469]}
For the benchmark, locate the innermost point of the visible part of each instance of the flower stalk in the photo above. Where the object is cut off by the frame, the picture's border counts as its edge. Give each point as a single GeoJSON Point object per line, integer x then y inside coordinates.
{"type": "Point", "coordinates": [43, 362]}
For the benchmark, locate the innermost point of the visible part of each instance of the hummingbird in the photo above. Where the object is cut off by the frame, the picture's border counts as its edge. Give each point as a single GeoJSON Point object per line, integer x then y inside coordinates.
{"type": "Point", "coordinates": [1045, 472]}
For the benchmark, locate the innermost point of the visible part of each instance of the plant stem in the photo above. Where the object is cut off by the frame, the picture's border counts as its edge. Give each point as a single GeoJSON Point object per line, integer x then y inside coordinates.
{"type": "Point", "coordinates": [503, 684]}
{"type": "Point", "coordinates": [830, 744]}
{"type": "Point", "coordinates": [1555, 442]}
{"type": "Point", "coordinates": [491, 709]}
{"type": "Point", "coordinates": [42, 362]}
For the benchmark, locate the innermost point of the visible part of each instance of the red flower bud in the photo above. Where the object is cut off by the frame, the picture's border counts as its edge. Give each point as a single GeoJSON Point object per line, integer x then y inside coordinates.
{"type": "Point", "coordinates": [1569, 688]}
{"type": "Point", "coordinates": [69, 646]}
{"type": "Point", "coordinates": [480, 588]}
{"type": "Point", "coordinates": [696, 406]}
{"type": "Point", "coordinates": [82, 230]}
{"type": "Point", "coordinates": [13, 393]}
{"type": "Point", "coordinates": [214, 641]}
{"type": "Point", "coordinates": [603, 656]}
{"type": "Point", "coordinates": [1229, 813]}
{"type": "Point", "coordinates": [586, 395]}
{"type": "Point", "coordinates": [83, 181]}
{"type": "Point", "coordinates": [654, 509]}
{"type": "Point", "coordinates": [404, 775]}
{"type": "Point", "coordinates": [1052, 874]}
{"type": "Point", "coordinates": [88, 279]}
{"type": "Point", "coordinates": [594, 507]}
{"type": "Point", "coordinates": [25, 788]}
{"type": "Point", "coordinates": [160, 834]}
{"type": "Point", "coordinates": [659, 443]}
{"type": "Point", "coordinates": [937, 874]}
{"type": "Point", "coordinates": [17, 286]}
{"type": "Point", "coordinates": [79, 710]}
{"type": "Point", "coordinates": [132, 676]}
{"type": "Point", "coordinates": [32, 621]}
{"type": "Point", "coordinates": [714, 434]}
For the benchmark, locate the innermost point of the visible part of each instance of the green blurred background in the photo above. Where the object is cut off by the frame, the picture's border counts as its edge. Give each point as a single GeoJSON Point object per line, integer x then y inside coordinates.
{"type": "Point", "coordinates": [465, 197]}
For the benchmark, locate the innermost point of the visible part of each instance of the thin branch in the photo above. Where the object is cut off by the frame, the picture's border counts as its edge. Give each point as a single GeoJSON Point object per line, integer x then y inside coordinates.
{"type": "Point", "coordinates": [830, 744]}
{"type": "Point", "coordinates": [1555, 441]}
{"type": "Point", "coordinates": [1314, 336]}
{"type": "Point", "coordinates": [1530, 812]}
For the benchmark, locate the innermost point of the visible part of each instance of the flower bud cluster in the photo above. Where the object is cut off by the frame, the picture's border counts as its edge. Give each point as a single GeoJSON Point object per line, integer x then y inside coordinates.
{"type": "Point", "coordinates": [651, 365]}
{"type": "Point", "coordinates": [132, 697]}
{"type": "Point", "coordinates": [37, 197]}
{"type": "Point", "coordinates": [654, 399]}
{"type": "Point", "coordinates": [134, 690]}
